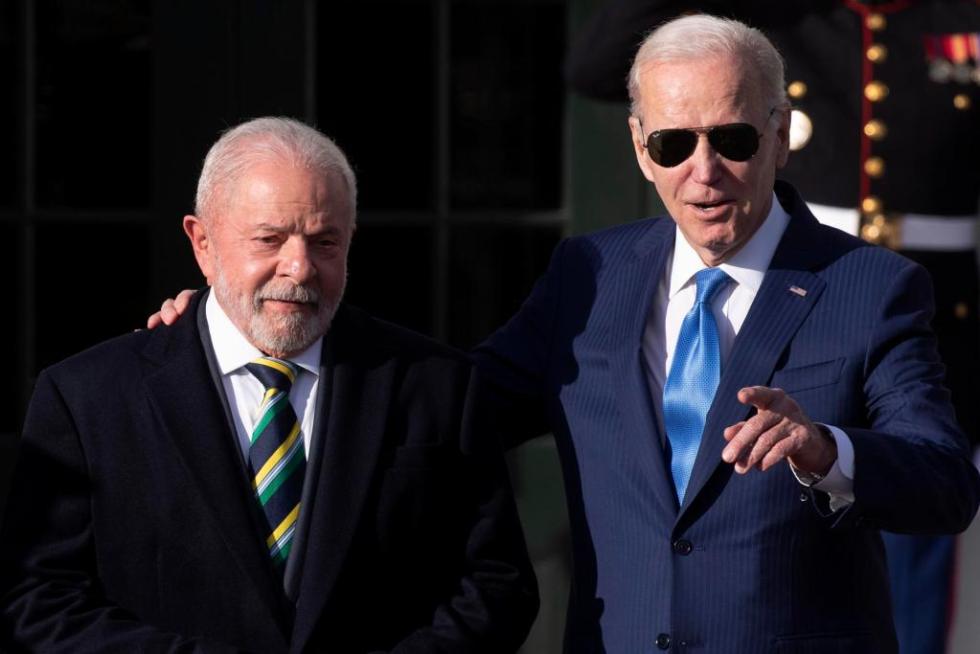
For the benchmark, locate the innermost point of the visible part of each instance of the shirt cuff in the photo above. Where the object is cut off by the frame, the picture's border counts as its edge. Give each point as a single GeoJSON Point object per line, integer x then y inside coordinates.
{"type": "Point", "coordinates": [838, 483]}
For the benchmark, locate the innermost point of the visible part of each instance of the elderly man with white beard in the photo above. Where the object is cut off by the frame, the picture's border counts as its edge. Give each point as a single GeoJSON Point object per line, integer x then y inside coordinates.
{"type": "Point", "coordinates": [275, 472]}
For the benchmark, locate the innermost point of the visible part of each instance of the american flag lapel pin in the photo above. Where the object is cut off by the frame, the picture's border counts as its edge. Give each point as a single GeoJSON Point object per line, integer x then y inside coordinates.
{"type": "Point", "coordinates": [799, 291]}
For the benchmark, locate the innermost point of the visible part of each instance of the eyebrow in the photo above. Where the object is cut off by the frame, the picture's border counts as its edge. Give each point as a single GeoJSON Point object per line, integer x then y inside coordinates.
{"type": "Point", "coordinates": [277, 229]}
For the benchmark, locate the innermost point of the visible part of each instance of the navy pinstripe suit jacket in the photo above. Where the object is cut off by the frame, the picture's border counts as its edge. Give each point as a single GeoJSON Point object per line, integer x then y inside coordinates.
{"type": "Point", "coordinates": [749, 563]}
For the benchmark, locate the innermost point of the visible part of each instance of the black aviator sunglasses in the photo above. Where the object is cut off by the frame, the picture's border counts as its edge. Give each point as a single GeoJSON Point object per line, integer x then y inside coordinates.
{"type": "Point", "coordinates": [734, 141]}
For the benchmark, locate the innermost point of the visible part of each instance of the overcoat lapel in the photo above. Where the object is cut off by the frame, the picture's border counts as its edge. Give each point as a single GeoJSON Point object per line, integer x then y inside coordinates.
{"type": "Point", "coordinates": [361, 378]}
{"type": "Point", "coordinates": [636, 287]}
{"type": "Point", "coordinates": [189, 409]}
{"type": "Point", "coordinates": [776, 314]}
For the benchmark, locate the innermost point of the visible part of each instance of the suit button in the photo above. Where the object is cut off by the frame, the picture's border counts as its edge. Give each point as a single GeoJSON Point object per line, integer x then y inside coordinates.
{"type": "Point", "coordinates": [663, 641]}
{"type": "Point", "coordinates": [683, 547]}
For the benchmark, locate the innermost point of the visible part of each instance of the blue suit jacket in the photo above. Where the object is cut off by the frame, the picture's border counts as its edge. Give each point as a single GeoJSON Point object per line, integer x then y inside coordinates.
{"type": "Point", "coordinates": [755, 562]}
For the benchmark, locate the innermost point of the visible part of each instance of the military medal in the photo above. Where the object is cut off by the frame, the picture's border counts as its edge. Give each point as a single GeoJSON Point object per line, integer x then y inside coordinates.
{"type": "Point", "coordinates": [953, 57]}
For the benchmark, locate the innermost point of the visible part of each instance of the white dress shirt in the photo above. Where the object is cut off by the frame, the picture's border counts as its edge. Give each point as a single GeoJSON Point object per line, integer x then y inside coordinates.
{"type": "Point", "coordinates": [244, 391]}
{"type": "Point", "coordinates": [675, 297]}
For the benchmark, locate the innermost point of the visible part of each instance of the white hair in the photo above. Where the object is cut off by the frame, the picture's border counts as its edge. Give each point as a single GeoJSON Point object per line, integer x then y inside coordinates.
{"type": "Point", "coordinates": [700, 36]}
{"type": "Point", "coordinates": [276, 139]}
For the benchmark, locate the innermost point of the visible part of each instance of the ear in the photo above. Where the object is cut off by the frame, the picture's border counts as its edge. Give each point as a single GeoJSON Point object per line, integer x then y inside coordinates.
{"type": "Point", "coordinates": [201, 243]}
{"type": "Point", "coordinates": [782, 135]}
{"type": "Point", "coordinates": [639, 148]}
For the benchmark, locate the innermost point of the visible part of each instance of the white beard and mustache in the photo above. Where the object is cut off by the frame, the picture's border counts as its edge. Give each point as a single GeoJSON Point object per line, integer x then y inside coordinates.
{"type": "Point", "coordinates": [278, 334]}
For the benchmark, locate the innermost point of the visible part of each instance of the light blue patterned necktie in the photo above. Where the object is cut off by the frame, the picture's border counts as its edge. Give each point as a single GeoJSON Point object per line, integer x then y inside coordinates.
{"type": "Point", "coordinates": [693, 379]}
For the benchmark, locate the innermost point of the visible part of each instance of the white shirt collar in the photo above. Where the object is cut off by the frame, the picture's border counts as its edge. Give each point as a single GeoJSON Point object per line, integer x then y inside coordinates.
{"type": "Point", "coordinates": [747, 266]}
{"type": "Point", "coordinates": [232, 350]}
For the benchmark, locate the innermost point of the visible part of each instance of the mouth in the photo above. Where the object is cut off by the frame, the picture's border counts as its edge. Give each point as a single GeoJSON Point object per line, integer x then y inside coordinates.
{"type": "Point", "coordinates": [712, 208]}
{"type": "Point", "coordinates": [288, 303]}
{"type": "Point", "coordinates": [288, 299]}
{"type": "Point", "coordinates": [288, 307]}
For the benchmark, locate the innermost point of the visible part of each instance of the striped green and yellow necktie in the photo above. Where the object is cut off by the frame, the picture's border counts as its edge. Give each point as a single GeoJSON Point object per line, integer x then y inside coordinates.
{"type": "Point", "coordinates": [276, 456]}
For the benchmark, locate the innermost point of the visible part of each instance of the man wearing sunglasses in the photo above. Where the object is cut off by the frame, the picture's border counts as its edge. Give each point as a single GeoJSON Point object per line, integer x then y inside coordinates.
{"type": "Point", "coordinates": [884, 140]}
{"type": "Point", "coordinates": [741, 397]}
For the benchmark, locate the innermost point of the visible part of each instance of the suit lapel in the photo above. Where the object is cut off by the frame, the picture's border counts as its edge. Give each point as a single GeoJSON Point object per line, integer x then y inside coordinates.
{"type": "Point", "coordinates": [776, 314]}
{"type": "Point", "coordinates": [636, 286]}
{"type": "Point", "coordinates": [360, 376]}
{"type": "Point", "coordinates": [189, 407]}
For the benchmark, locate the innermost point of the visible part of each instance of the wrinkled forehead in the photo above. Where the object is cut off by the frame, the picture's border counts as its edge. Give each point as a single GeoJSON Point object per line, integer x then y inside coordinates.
{"type": "Point", "coordinates": [286, 187]}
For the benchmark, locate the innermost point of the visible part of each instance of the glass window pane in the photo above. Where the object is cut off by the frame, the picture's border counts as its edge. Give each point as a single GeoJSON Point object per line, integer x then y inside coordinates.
{"type": "Point", "coordinates": [94, 81]}
{"type": "Point", "coordinates": [375, 96]}
{"type": "Point", "coordinates": [12, 385]}
{"type": "Point", "coordinates": [507, 96]}
{"type": "Point", "coordinates": [94, 274]}
{"type": "Point", "coordinates": [390, 273]}
{"type": "Point", "coordinates": [492, 269]}
{"type": "Point", "coordinates": [10, 108]}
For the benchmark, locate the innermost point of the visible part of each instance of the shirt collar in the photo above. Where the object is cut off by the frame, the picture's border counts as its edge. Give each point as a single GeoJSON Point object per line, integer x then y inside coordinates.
{"type": "Point", "coordinates": [747, 266]}
{"type": "Point", "coordinates": [232, 350]}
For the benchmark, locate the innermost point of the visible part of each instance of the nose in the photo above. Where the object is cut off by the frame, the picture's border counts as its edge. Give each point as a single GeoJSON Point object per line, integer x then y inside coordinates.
{"type": "Point", "coordinates": [295, 261]}
{"type": "Point", "coordinates": [706, 163]}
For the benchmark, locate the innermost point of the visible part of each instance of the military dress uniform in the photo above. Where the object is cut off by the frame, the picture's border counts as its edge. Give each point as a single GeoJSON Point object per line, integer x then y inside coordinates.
{"type": "Point", "coordinates": [885, 142]}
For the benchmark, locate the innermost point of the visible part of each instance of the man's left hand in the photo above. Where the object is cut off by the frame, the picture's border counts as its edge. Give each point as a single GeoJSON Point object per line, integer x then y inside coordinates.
{"type": "Point", "coordinates": [779, 430]}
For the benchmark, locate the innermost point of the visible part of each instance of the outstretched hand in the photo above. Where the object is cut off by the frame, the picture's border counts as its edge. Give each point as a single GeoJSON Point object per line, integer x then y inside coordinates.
{"type": "Point", "coordinates": [170, 310]}
{"type": "Point", "coordinates": [779, 430]}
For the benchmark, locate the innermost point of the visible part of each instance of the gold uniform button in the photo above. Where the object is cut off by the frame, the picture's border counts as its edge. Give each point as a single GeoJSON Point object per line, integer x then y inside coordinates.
{"type": "Point", "coordinates": [876, 91]}
{"type": "Point", "coordinates": [876, 22]}
{"type": "Point", "coordinates": [962, 101]}
{"type": "Point", "coordinates": [961, 310]}
{"type": "Point", "coordinates": [796, 90]}
{"type": "Point", "coordinates": [871, 204]}
{"type": "Point", "coordinates": [871, 233]}
{"type": "Point", "coordinates": [877, 53]}
{"type": "Point", "coordinates": [874, 166]}
{"type": "Point", "coordinates": [875, 130]}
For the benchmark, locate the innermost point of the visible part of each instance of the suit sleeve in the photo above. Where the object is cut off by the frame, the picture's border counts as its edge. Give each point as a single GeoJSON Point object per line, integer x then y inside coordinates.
{"type": "Point", "coordinates": [913, 472]}
{"type": "Point", "coordinates": [50, 596]}
{"type": "Point", "coordinates": [513, 361]}
{"type": "Point", "coordinates": [496, 599]}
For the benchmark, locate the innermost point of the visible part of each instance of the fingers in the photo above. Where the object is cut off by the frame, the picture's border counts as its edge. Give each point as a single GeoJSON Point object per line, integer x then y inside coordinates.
{"type": "Point", "coordinates": [762, 448]}
{"type": "Point", "coordinates": [761, 397]}
{"type": "Point", "coordinates": [777, 431]}
{"type": "Point", "coordinates": [730, 431]}
{"type": "Point", "coordinates": [749, 440]}
{"type": "Point", "coordinates": [182, 300]}
{"type": "Point", "coordinates": [170, 310]}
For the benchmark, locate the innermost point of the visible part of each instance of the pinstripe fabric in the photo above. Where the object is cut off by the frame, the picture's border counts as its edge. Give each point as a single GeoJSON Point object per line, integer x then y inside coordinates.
{"type": "Point", "coordinates": [745, 564]}
{"type": "Point", "coordinates": [276, 456]}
